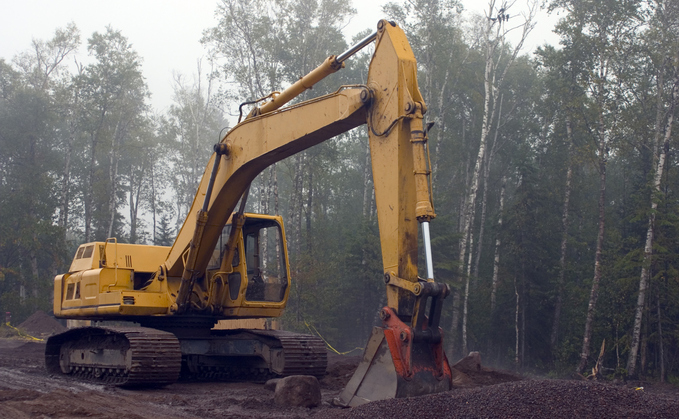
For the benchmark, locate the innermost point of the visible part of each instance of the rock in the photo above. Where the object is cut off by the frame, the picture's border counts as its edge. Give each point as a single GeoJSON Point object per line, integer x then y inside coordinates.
{"type": "Point", "coordinates": [298, 390]}
{"type": "Point", "coordinates": [469, 363]}
{"type": "Point", "coordinates": [271, 384]}
{"type": "Point", "coordinates": [468, 372]}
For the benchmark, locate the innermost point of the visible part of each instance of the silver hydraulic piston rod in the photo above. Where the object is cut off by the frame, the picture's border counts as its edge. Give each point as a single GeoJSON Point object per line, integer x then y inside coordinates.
{"type": "Point", "coordinates": [329, 66]}
{"type": "Point", "coordinates": [359, 46]}
{"type": "Point", "coordinates": [427, 250]}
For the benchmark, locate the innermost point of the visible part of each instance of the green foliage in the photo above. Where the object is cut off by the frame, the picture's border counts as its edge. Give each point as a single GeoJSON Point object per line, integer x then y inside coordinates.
{"type": "Point", "coordinates": [31, 246]}
{"type": "Point", "coordinates": [165, 234]}
{"type": "Point", "coordinates": [187, 132]}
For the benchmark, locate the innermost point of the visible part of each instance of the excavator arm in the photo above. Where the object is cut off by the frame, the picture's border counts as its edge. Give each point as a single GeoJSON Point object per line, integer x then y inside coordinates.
{"type": "Point", "coordinates": [251, 147]}
{"type": "Point", "coordinates": [405, 356]}
{"type": "Point", "coordinates": [392, 106]}
{"type": "Point", "coordinates": [407, 352]}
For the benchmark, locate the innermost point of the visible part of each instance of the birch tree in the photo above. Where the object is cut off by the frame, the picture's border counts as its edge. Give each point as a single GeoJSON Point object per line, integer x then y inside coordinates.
{"type": "Point", "coordinates": [114, 95]}
{"type": "Point", "coordinates": [594, 33]}
{"type": "Point", "coordinates": [44, 67]}
{"type": "Point", "coordinates": [190, 128]}
{"type": "Point", "coordinates": [666, 28]}
{"type": "Point", "coordinates": [44, 78]}
{"type": "Point", "coordinates": [565, 98]}
{"type": "Point", "coordinates": [496, 263]}
{"type": "Point", "coordinates": [496, 24]}
{"type": "Point", "coordinates": [31, 135]}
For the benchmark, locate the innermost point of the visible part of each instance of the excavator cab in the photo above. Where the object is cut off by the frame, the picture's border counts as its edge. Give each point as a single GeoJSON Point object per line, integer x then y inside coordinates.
{"type": "Point", "coordinates": [249, 271]}
{"type": "Point", "coordinates": [265, 260]}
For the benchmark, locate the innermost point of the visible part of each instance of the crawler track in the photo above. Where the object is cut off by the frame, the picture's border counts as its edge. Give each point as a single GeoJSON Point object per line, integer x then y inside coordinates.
{"type": "Point", "coordinates": [142, 356]}
{"type": "Point", "coordinates": [124, 356]}
{"type": "Point", "coordinates": [268, 354]}
{"type": "Point", "coordinates": [304, 354]}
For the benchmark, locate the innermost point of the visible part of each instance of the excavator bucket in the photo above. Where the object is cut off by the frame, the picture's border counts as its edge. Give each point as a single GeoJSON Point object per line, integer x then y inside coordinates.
{"type": "Point", "coordinates": [397, 363]}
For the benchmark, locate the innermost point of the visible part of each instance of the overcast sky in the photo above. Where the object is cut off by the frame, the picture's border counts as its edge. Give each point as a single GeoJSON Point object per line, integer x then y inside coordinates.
{"type": "Point", "coordinates": [165, 33]}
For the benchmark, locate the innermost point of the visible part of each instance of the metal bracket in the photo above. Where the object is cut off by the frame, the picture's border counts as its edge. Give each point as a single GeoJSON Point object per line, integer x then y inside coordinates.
{"type": "Point", "coordinates": [390, 278]}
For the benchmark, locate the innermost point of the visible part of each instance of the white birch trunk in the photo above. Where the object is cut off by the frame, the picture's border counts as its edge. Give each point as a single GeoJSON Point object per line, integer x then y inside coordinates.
{"type": "Point", "coordinates": [496, 259]}
{"type": "Point", "coordinates": [154, 212]}
{"type": "Point", "coordinates": [66, 182]}
{"type": "Point", "coordinates": [492, 86]}
{"type": "Point", "coordinates": [89, 191]}
{"type": "Point", "coordinates": [133, 210]}
{"type": "Point", "coordinates": [564, 240]}
{"type": "Point", "coordinates": [273, 178]}
{"type": "Point", "coordinates": [648, 247]}
{"type": "Point", "coordinates": [594, 293]}
{"type": "Point", "coordinates": [135, 197]}
{"type": "Point", "coordinates": [113, 177]}
{"type": "Point", "coordinates": [661, 343]}
{"type": "Point", "coordinates": [516, 327]}
{"type": "Point", "coordinates": [465, 309]}
{"type": "Point", "coordinates": [296, 208]}
{"type": "Point", "coordinates": [484, 196]}
{"type": "Point", "coordinates": [471, 199]}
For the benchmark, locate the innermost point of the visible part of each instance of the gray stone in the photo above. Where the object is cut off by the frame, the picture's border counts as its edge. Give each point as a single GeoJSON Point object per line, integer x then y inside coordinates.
{"type": "Point", "coordinates": [469, 363]}
{"type": "Point", "coordinates": [298, 390]}
{"type": "Point", "coordinates": [271, 384]}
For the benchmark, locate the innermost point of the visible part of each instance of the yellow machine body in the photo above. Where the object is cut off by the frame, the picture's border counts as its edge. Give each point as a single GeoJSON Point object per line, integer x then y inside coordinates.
{"type": "Point", "coordinates": [109, 280]}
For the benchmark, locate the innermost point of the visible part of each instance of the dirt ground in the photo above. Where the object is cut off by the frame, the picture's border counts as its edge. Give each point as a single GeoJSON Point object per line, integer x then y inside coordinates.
{"type": "Point", "coordinates": [27, 391]}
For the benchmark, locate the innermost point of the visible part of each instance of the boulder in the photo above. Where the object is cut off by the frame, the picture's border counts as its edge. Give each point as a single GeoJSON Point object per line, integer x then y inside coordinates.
{"type": "Point", "coordinates": [469, 372]}
{"type": "Point", "coordinates": [271, 384]}
{"type": "Point", "coordinates": [298, 390]}
{"type": "Point", "coordinates": [470, 363]}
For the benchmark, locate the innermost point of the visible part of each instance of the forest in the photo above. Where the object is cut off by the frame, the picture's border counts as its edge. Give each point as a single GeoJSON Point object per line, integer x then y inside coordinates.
{"type": "Point", "coordinates": [552, 171]}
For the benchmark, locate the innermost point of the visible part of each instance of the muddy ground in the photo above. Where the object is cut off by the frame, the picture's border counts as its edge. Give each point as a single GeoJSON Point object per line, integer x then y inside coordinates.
{"type": "Point", "coordinates": [27, 391]}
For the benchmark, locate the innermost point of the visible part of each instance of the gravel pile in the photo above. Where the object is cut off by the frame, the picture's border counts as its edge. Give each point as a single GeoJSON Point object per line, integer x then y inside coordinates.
{"type": "Point", "coordinates": [40, 324]}
{"type": "Point", "coordinates": [549, 399]}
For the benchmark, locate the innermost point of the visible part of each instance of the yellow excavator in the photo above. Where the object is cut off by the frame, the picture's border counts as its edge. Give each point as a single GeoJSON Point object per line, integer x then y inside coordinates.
{"type": "Point", "coordinates": [155, 307]}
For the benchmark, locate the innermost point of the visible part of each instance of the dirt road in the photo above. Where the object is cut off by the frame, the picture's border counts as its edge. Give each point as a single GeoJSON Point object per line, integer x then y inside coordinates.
{"type": "Point", "coordinates": [27, 391]}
